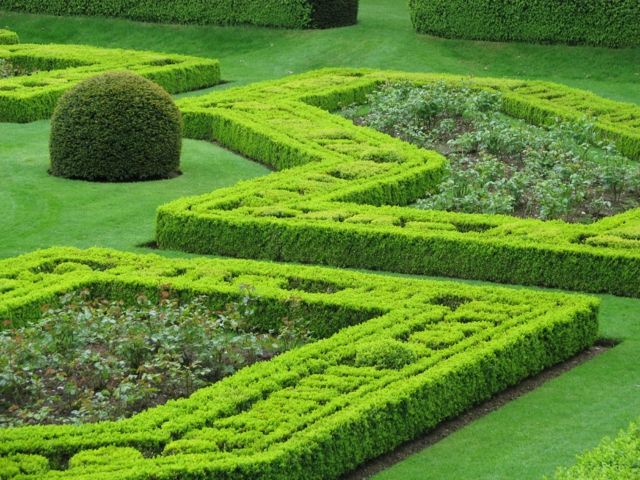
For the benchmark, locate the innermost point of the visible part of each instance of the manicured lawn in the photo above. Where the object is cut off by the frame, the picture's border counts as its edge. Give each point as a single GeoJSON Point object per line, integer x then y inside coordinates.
{"type": "Point", "coordinates": [523, 440]}
{"type": "Point", "coordinates": [40, 211]}
{"type": "Point", "coordinates": [382, 39]}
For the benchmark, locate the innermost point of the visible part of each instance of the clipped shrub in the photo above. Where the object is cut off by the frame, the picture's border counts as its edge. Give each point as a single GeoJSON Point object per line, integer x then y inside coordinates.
{"type": "Point", "coordinates": [266, 13]}
{"type": "Point", "coordinates": [7, 37]}
{"type": "Point", "coordinates": [116, 127]}
{"type": "Point", "coordinates": [333, 13]}
{"type": "Point", "coordinates": [595, 22]}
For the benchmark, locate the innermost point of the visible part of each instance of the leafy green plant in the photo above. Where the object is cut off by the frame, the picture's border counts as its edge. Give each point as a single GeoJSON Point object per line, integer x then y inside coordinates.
{"type": "Point", "coordinates": [499, 165]}
{"type": "Point", "coordinates": [93, 359]}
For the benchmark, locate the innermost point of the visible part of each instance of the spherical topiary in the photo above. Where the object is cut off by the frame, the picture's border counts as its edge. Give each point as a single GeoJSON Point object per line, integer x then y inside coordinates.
{"type": "Point", "coordinates": [116, 127]}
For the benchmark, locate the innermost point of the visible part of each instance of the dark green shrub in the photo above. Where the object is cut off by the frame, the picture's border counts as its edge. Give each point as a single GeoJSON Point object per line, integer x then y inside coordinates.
{"type": "Point", "coordinates": [116, 127]}
{"type": "Point", "coordinates": [333, 13]}
{"type": "Point", "coordinates": [611, 23]}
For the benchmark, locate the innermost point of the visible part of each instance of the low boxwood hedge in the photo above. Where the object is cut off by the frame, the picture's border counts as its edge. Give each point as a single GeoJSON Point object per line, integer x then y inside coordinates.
{"type": "Point", "coordinates": [53, 69]}
{"type": "Point", "coordinates": [7, 37]}
{"type": "Point", "coordinates": [616, 458]}
{"type": "Point", "coordinates": [407, 354]}
{"type": "Point", "coordinates": [338, 199]}
{"type": "Point", "coordinates": [268, 13]}
{"type": "Point", "coordinates": [596, 22]}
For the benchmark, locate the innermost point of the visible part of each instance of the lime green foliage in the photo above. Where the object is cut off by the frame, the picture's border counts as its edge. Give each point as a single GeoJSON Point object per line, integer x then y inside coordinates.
{"type": "Point", "coordinates": [279, 419]}
{"type": "Point", "coordinates": [117, 126]}
{"type": "Point", "coordinates": [595, 22]}
{"type": "Point", "coordinates": [617, 458]}
{"type": "Point", "coordinates": [53, 69]}
{"type": "Point", "coordinates": [268, 13]}
{"type": "Point", "coordinates": [7, 37]}
{"type": "Point", "coordinates": [339, 179]}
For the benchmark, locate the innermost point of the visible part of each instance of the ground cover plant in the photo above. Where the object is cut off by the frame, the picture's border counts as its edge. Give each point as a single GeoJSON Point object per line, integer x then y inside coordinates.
{"type": "Point", "coordinates": [500, 166]}
{"type": "Point", "coordinates": [414, 353]}
{"type": "Point", "coordinates": [339, 180]}
{"type": "Point", "coordinates": [596, 22]}
{"type": "Point", "coordinates": [93, 359]}
{"type": "Point", "coordinates": [40, 74]}
{"type": "Point", "coordinates": [270, 13]}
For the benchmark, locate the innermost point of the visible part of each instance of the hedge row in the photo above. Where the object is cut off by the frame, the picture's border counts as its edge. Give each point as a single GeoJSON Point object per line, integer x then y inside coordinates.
{"type": "Point", "coordinates": [338, 199]}
{"type": "Point", "coordinates": [417, 352]}
{"type": "Point", "coordinates": [53, 69]}
{"type": "Point", "coordinates": [616, 458]}
{"type": "Point", "coordinates": [595, 22]}
{"type": "Point", "coordinates": [7, 37]}
{"type": "Point", "coordinates": [269, 13]}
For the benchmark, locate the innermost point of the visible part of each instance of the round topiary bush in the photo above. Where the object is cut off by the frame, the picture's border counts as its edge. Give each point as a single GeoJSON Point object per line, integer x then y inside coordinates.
{"type": "Point", "coordinates": [116, 127]}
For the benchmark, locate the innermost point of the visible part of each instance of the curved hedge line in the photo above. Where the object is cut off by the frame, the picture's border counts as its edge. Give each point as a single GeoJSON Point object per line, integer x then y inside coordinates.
{"type": "Point", "coordinates": [611, 23]}
{"type": "Point", "coordinates": [267, 13]}
{"type": "Point", "coordinates": [315, 412]}
{"type": "Point", "coordinates": [338, 200]}
{"type": "Point", "coordinates": [616, 458]}
{"type": "Point", "coordinates": [7, 37]}
{"type": "Point", "coordinates": [57, 68]}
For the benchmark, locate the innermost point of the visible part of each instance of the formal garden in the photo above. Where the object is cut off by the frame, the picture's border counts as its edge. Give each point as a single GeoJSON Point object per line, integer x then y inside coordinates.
{"type": "Point", "coordinates": [320, 239]}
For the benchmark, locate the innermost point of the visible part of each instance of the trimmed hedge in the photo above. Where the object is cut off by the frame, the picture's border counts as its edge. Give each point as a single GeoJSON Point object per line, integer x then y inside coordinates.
{"type": "Point", "coordinates": [267, 13]}
{"type": "Point", "coordinates": [7, 37]}
{"type": "Point", "coordinates": [616, 458]}
{"type": "Point", "coordinates": [596, 22]}
{"type": "Point", "coordinates": [312, 413]}
{"type": "Point", "coordinates": [338, 199]}
{"type": "Point", "coordinates": [116, 127]}
{"type": "Point", "coordinates": [57, 68]}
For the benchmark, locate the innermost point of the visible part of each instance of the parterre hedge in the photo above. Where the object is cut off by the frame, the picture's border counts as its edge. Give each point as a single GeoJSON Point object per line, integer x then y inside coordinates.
{"type": "Point", "coordinates": [338, 199]}
{"type": "Point", "coordinates": [56, 68]}
{"type": "Point", "coordinates": [7, 37]}
{"type": "Point", "coordinates": [617, 458]}
{"type": "Point", "coordinates": [611, 23]}
{"type": "Point", "coordinates": [268, 13]}
{"type": "Point", "coordinates": [410, 354]}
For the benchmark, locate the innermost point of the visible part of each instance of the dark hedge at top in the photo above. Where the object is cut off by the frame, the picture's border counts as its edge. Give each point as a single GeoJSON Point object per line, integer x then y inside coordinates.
{"type": "Point", "coordinates": [267, 13]}
{"type": "Point", "coordinates": [116, 127]}
{"type": "Point", "coordinates": [610, 23]}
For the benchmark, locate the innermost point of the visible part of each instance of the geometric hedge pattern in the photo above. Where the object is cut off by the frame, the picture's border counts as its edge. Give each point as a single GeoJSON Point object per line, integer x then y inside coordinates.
{"type": "Point", "coordinates": [45, 72]}
{"type": "Point", "coordinates": [339, 195]}
{"type": "Point", "coordinates": [408, 354]}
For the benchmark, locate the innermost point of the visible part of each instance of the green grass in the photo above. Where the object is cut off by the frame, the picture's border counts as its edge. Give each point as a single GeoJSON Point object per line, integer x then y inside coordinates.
{"type": "Point", "coordinates": [523, 440]}
{"type": "Point", "coordinates": [40, 211]}
{"type": "Point", "coordinates": [382, 39]}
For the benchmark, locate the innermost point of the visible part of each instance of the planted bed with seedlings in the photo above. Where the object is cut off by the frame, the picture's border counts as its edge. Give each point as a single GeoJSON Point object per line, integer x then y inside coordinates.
{"type": "Point", "coordinates": [92, 359]}
{"type": "Point", "coordinates": [501, 165]}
